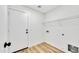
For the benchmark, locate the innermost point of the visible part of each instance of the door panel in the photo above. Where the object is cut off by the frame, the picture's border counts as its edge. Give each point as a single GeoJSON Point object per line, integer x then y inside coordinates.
{"type": "Point", "coordinates": [17, 28]}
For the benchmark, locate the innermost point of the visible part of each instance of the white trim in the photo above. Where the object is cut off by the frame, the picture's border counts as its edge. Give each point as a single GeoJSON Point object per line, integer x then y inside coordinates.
{"type": "Point", "coordinates": [62, 19]}
{"type": "Point", "coordinates": [17, 10]}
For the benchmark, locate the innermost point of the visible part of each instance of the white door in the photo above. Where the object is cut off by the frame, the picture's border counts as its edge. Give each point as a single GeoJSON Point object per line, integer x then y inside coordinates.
{"type": "Point", "coordinates": [3, 27]}
{"type": "Point", "coordinates": [17, 30]}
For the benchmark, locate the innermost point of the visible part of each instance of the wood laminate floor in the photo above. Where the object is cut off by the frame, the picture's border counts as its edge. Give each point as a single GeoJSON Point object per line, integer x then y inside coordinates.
{"type": "Point", "coordinates": [41, 48]}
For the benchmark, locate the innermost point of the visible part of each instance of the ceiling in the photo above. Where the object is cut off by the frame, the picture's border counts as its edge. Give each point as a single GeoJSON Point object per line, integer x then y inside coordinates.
{"type": "Point", "coordinates": [43, 8]}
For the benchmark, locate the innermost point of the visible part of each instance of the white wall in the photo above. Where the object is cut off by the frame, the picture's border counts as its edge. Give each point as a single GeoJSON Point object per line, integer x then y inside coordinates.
{"type": "Point", "coordinates": [35, 24]}
{"type": "Point", "coordinates": [69, 28]}
{"type": "Point", "coordinates": [63, 11]}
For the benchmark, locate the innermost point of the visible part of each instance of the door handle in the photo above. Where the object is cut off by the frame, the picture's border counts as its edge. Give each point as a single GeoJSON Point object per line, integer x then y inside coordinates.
{"type": "Point", "coordinates": [7, 44]}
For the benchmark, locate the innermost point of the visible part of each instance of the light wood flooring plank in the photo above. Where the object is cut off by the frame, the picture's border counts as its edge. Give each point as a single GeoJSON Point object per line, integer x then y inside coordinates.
{"type": "Point", "coordinates": [42, 48]}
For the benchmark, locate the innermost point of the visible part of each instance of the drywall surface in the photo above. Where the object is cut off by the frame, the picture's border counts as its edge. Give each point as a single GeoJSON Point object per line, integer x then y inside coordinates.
{"type": "Point", "coordinates": [69, 27]}
{"type": "Point", "coordinates": [35, 26]}
{"type": "Point", "coordinates": [63, 11]}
